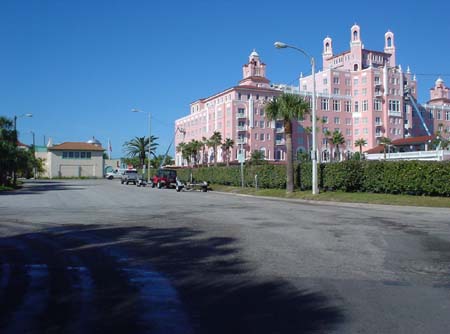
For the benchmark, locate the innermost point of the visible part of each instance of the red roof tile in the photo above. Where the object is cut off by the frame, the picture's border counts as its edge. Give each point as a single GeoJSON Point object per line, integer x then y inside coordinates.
{"type": "Point", "coordinates": [75, 146]}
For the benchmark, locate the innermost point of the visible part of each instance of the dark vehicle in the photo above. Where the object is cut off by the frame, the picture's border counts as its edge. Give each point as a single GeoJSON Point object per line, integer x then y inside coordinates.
{"type": "Point", "coordinates": [129, 176]}
{"type": "Point", "coordinates": [165, 178]}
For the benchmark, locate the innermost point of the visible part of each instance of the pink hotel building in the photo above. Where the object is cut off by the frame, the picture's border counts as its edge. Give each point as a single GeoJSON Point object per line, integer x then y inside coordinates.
{"type": "Point", "coordinates": [361, 93]}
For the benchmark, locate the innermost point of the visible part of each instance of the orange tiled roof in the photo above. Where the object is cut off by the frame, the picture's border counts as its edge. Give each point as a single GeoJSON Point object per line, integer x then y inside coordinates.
{"type": "Point", "coordinates": [75, 146]}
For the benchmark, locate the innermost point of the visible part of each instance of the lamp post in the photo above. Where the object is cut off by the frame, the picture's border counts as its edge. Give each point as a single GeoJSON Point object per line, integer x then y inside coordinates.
{"type": "Point", "coordinates": [149, 140]}
{"type": "Point", "coordinates": [281, 45]}
{"type": "Point", "coordinates": [19, 116]}
{"type": "Point", "coordinates": [34, 154]}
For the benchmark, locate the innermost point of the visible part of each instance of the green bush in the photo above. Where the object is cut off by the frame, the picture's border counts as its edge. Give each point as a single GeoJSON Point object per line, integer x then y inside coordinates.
{"type": "Point", "coordinates": [393, 177]}
{"type": "Point", "coordinates": [344, 176]}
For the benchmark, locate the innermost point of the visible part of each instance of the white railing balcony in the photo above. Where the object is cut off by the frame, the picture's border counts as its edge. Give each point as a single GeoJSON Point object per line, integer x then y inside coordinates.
{"type": "Point", "coordinates": [379, 124]}
{"type": "Point", "coordinates": [394, 113]}
{"type": "Point", "coordinates": [242, 128]}
{"type": "Point", "coordinates": [378, 134]}
{"type": "Point", "coordinates": [279, 130]}
{"type": "Point", "coordinates": [280, 142]}
{"type": "Point", "coordinates": [241, 141]}
{"type": "Point", "coordinates": [240, 115]}
{"type": "Point", "coordinates": [439, 155]}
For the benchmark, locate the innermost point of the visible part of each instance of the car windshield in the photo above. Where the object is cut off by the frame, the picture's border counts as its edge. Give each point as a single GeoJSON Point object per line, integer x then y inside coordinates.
{"type": "Point", "coordinates": [131, 172]}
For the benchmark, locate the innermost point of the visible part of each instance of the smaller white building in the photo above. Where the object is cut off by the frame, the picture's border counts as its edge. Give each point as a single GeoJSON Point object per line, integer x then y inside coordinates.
{"type": "Point", "coordinates": [74, 159]}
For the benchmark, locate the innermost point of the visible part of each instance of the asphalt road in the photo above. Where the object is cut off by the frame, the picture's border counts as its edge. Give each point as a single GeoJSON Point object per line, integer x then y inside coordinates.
{"type": "Point", "coordinates": [96, 256]}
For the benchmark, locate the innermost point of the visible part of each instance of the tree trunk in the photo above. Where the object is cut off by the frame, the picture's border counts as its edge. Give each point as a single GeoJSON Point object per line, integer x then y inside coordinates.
{"type": "Point", "coordinates": [289, 162]}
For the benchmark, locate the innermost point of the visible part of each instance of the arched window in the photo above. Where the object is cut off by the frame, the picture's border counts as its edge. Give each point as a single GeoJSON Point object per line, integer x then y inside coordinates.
{"type": "Point", "coordinates": [389, 42]}
{"type": "Point", "coordinates": [327, 47]}
{"type": "Point", "coordinates": [355, 67]}
{"type": "Point", "coordinates": [355, 35]}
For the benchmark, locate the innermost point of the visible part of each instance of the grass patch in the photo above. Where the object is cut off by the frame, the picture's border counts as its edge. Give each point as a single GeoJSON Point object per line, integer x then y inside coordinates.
{"type": "Point", "coordinates": [386, 199]}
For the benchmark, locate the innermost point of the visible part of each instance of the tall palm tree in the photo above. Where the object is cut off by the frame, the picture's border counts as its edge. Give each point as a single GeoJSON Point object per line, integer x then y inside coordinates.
{"type": "Point", "coordinates": [227, 146]}
{"type": "Point", "coordinates": [215, 141]}
{"type": "Point", "coordinates": [385, 141]}
{"type": "Point", "coordinates": [138, 147]}
{"type": "Point", "coordinates": [181, 147]}
{"type": "Point", "coordinates": [287, 107]}
{"type": "Point", "coordinates": [194, 147]}
{"type": "Point", "coordinates": [308, 131]}
{"type": "Point", "coordinates": [204, 145]}
{"type": "Point", "coordinates": [337, 139]}
{"type": "Point", "coordinates": [327, 136]}
{"type": "Point", "coordinates": [360, 142]}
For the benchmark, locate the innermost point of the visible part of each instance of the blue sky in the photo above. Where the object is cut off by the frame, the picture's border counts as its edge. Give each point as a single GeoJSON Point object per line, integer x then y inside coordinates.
{"type": "Point", "coordinates": [80, 66]}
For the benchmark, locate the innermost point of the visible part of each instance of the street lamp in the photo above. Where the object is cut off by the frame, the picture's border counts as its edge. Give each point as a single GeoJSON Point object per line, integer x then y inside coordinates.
{"type": "Point", "coordinates": [34, 153]}
{"type": "Point", "coordinates": [149, 140]}
{"type": "Point", "coordinates": [19, 116]}
{"type": "Point", "coordinates": [281, 45]}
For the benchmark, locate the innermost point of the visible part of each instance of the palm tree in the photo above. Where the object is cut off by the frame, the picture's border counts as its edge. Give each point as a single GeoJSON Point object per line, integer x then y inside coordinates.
{"type": "Point", "coordinates": [337, 139]}
{"type": "Point", "coordinates": [227, 146]}
{"type": "Point", "coordinates": [385, 141]}
{"type": "Point", "coordinates": [308, 131]}
{"type": "Point", "coordinates": [257, 157]}
{"type": "Point", "coordinates": [360, 142]}
{"type": "Point", "coordinates": [215, 141]}
{"type": "Point", "coordinates": [327, 136]}
{"type": "Point", "coordinates": [194, 147]}
{"type": "Point", "coordinates": [138, 147]}
{"type": "Point", "coordinates": [287, 107]}
{"type": "Point", "coordinates": [181, 148]}
{"type": "Point", "coordinates": [204, 143]}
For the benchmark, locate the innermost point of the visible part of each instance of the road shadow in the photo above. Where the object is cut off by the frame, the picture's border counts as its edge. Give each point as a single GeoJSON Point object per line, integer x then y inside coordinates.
{"type": "Point", "coordinates": [35, 187]}
{"type": "Point", "coordinates": [218, 291]}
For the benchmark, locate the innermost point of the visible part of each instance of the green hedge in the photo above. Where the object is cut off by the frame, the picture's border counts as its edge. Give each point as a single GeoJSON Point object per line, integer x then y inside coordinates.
{"type": "Point", "coordinates": [393, 177]}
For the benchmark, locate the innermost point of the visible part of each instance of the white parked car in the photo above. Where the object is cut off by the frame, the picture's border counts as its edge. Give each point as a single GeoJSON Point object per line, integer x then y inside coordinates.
{"type": "Point", "coordinates": [115, 174]}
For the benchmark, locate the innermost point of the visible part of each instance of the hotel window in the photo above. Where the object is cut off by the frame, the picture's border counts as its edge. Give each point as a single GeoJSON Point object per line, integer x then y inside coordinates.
{"type": "Point", "coordinates": [356, 121]}
{"type": "Point", "coordinates": [439, 115]}
{"type": "Point", "coordinates": [324, 129]}
{"type": "Point", "coordinates": [337, 120]}
{"type": "Point", "coordinates": [261, 112]}
{"type": "Point", "coordinates": [348, 121]}
{"type": "Point", "coordinates": [239, 96]}
{"type": "Point", "coordinates": [267, 136]}
{"type": "Point", "coordinates": [377, 121]}
{"type": "Point", "coordinates": [365, 105]}
{"type": "Point", "coordinates": [336, 80]}
{"type": "Point", "coordinates": [261, 136]}
{"type": "Point", "coordinates": [377, 105]}
{"type": "Point", "coordinates": [377, 80]}
{"type": "Point", "coordinates": [356, 132]}
{"type": "Point", "coordinates": [365, 120]}
{"type": "Point", "coordinates": [447, 115]}
{"type": "Point", "coordinates": [355, 81]}
{"type": "Point", "coordinates": [336, 105]}
{"type": "Point", "coordinates": [256, 136]}
{"type": "Point", "coordinates": [364, 91]}
{"type": "Point", "coordinates": [324, 103]}
{"type": "Point", "coordinates": [305, 87]}
{"type": "Point", "coordinates": [347, 81]}
{"type": "Point", "coordinates": [325, 81]}
{"type": "Point", "coordinates": [348, 106]}
{"type": "Point", "coordinates": [348, 132]}
{"type": "Point", "coordinates": [336, 91]}
{"type": "Point", "coordinates": [394, 105]}
{"type": "Point", "coordinates": [325, 120]}
{"type": "Point", "coordinates": [363, 80]}
{"type": "Point", "coordinates": [355, 92]}
{"type": "Point", "coordinates": [261, 124]}
{"type": "Point", "coordinates": [356, 106]}
{"type": "Point", "coordinates": [365, 131]}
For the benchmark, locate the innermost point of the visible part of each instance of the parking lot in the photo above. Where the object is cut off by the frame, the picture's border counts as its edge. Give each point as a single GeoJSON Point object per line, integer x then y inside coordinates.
{"type": "Point", "coordinates": [97, 256]}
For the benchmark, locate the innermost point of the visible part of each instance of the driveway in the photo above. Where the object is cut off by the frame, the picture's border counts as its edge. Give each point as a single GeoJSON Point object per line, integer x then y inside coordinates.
{"type": "Point", "coordinates": [95, 256]}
